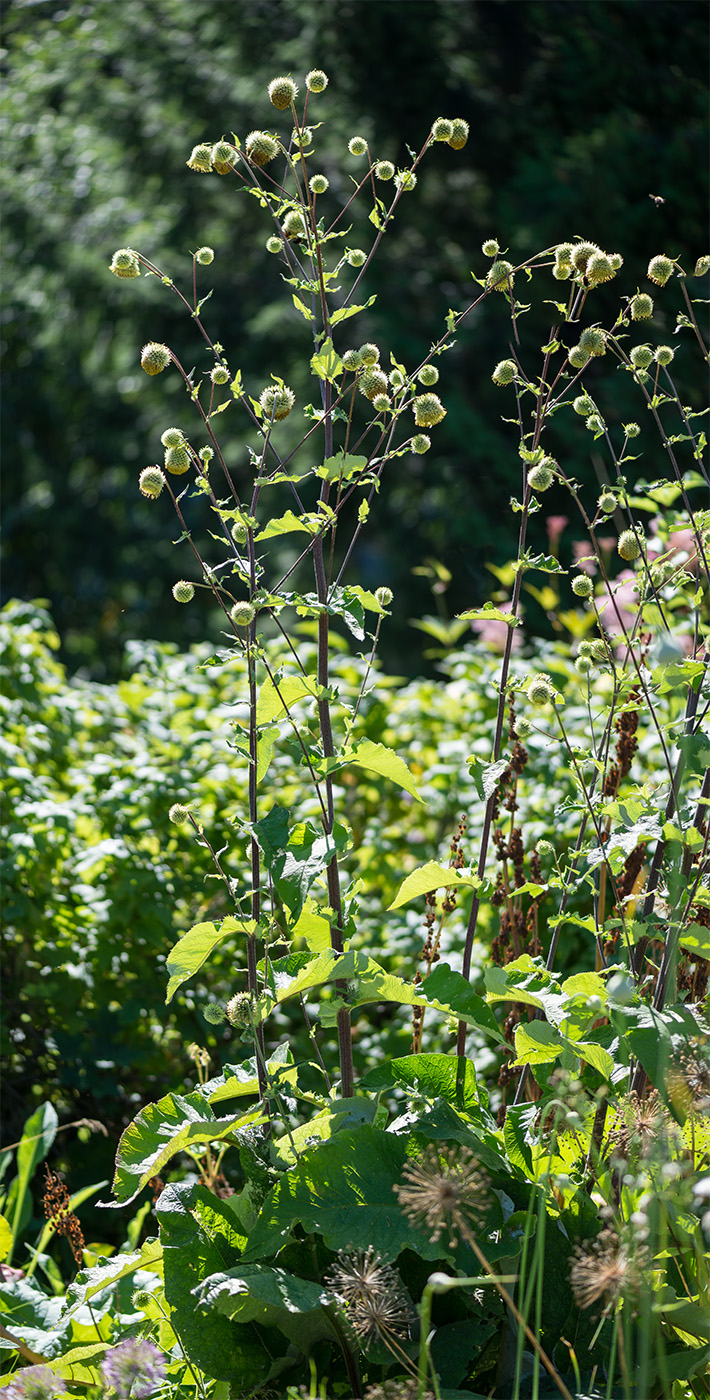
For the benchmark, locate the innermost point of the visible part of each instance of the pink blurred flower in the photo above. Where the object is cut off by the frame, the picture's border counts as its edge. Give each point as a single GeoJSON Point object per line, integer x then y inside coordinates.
{"type": "Point", "coordinates": [582, 549]}
{"type": "Point", "coordinates": [493, 634]}
{"type": "Point", "coordinates": [620, 602]}
{"type": "Point", "coordinates": [555, 525]}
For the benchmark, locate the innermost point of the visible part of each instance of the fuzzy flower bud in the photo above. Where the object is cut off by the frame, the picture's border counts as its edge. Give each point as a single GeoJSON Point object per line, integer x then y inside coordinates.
{"type": "Point", "coordinates": [664, 355]}
{"type": "Point", "coordinates": [595, 423]}
{"type": "Point", "coordinates": [356, 257]}
{"type": "Point", "coordinates": [201, 159]}
{"type": "Point", "coordinates": [420, 444]}
{"type": "Point", "coordinates": [583, 405]}
{"type": "Point", "coordinates": [373, 382]}
{"type": "Point", "coordinates": [274, 244]}
{"type": "Point", "coordinates": [177, 460]}
{"type": "Point", "coordinates": [224, 156]}
{"type": "Point", "coordinates": [204, 256]}
{"type": "Point", "coordinates": [183, 592]}
{"type": "Point", "coordinates": [357, 146]}
{"type": "Point", "coordinates": [660, 269]}
{"type": "Point", "coordinates": [702, 265]}
{"type": "Point", "coordinates": [384, 170]}
{"type": "Point", "coordinates": [428, 410]}
{"type": "Point", "coordinates": [641, 307]}
{"type": "Point", "coordinates": [641, 356]}
{"type": "Point", "coordinates": [583, 665]}
{"type": "Point", "coordinates": [282, 92]}
{"type": "Point", "coordinates": [500, 276]}
{"type": "Point", "coordinates": [593, 341]}
{"type": "Point", "coordinates": [124, 263]}
{"type": "Point", "coordinates": [628, 545]}
{"type": "Point", "coordinates": [607, 503]}
{"type": "Point", "coordinates": [442, 129]}
{"type": "Point", "coordinates": [294, 225]}
{"type": "Point", "coordinates": [220, 374]}
{"type": "Point", "coordinates": [151, 482]}
{"type": "Point", "coordinates": [242, 614]}
{"type": "Point", "coordinates": [580, 255]}
{"type": "Point", "coordinates": [616, 260]}
{"type": "Point", "coordinates": [561, 271]}
{"type": "Point", "coordinates": [396, 378]}
{"type": "Point", "coordinates": [206, 454]}
{"type": "Point", "coordinates": [178, 814]}
{"type": "Point", "coordinates": [319, 184]}
{"type": "Point", "coordinates": [352, 360]}
{"type": "Point", "coordinates": [384, 596]}
{"type": "Point", "coordinates": [369, 353]}
{"type": "Point", "coordinates": [261, 148]}
{"type": "Point", "coordinates": [154, 358]}
{"type": "Point", "coordinates": [406, 180]}
{"type": "Point", "coordinates": [582, 587]}
{"type": "Point", "coordinates": [428, 375]}
{"type": "Point", "coordinates": [599, 269]}
{"type": "Point", "coordinates": [316, 80]}
{"type": "Point", "coordinates": [381, 402]}
{"type": "Point", "coordinates": [276, 403]}
{"type": "Point", "coordinates": [490, 248]}
{"type": "Point", "coordinates": [540, 689]}
{"type": "Point", "coordinates": [239, 532]}
{"type": "Point", "coordinates": [540, 477]}
{"type": "Point", "coordinates": [563, 252]}
{"type": "Point", "coordinates": [240, 1010]}
{"type": "Point", "coordinates": [302, 135]}
{"type": "Point", "coordinates": [504, 372]}
{"type": "Point", "coordinates": [632, 430]}
{"type": "Point", "coordinates": [172, 437]}
{"type": "Point", "coordinates": [578, 357]}
{"type": "Point", "coordinates": [459, 133]}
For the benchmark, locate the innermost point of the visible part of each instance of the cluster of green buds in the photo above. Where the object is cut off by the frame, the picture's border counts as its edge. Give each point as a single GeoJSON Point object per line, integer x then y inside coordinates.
{"type": "Point", "coordinates": [453, 130]}
{"type": "Point", "coordinates": [177, 455]}
{"type": "Point", "coordinates": [585, 262]}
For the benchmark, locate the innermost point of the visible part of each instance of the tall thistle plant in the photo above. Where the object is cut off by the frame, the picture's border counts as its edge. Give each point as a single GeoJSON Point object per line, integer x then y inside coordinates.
{"type": "Point", "coordinates": [393, 1238]}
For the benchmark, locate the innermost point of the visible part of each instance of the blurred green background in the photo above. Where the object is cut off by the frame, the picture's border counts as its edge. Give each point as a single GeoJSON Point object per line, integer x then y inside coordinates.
{"type": "Point", "coordinates": [578, 112]}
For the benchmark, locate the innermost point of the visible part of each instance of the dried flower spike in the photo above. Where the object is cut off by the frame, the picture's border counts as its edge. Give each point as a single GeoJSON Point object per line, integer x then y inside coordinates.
{"type": "Point", "coordinates": [604, 1271]}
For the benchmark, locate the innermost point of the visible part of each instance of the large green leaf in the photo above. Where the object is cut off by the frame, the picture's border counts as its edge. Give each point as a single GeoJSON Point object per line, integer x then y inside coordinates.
{"type": "Point", "coordinates": [193, 949]}
{"type": "Point", "coordinates": [696, 940]}
{"type": "Point", "coordinates": [375, 758]}
{"type": "Point", "coordinates": [433, 877]}
{"type": "Point", "coordinates": [163, 1129]}
{"type": "Point", "coordinates": [432, 1076]}
{"type": "Point", "coordinates": [344, 1191]}
{"type": "Point", "coordinates": [273, 1297]}
{"type": "Point", "coordinates": [236, 1081]}
{"type": "Point", "coordinates": [88, 1282]}
{"type": "Point", "coordinates": [274, 699]}
{"type": "Point", "coordinates": [199, 1240]}
{"type": "Point", "coordinates": [38, 1135]}
{"type": "Point", "coordinates": [527, 982]}
{"type": "Point", "coordinates": [327, 364]}
{"type": "Point", "coordinates": [34, 1318]}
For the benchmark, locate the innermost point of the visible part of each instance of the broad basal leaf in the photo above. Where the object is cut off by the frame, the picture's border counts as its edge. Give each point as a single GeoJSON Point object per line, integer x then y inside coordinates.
{"type": "Point", "coordinates": [160, 1131]}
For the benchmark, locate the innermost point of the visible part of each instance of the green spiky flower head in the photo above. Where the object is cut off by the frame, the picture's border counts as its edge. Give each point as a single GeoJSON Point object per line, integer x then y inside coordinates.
{"type": "Point", "coordinates": [504, 372]}
{"type": "Point", "coordinates": [373, 382]}
{"type": "Point", "coordinates": [641, 356]}
{"type": "Point", "coordinates": [490, 248]}
{"type": "Point", "coordinates": [204, 256]}
{"type": "Point", "coordinates": [177, 460]}
{"type": "Point", "coordinates": [200, 159]}
{"type": "Point", "coordinates": [582, 587]}
{"type": "Point", "coordinates": [183, 591]}
{"type": "Point", "coordinates": [428, 375]}
{"type": "Point", "coordinates": [442, 129]}
{"type": "Point", "coordinates": [541, 476]}
{"type": "Point", "coordinates": [276, 402]}
{"type": "Point", "coordinates": [124, 263]}
{"type": "Point", "coordinates": [294, 225]}
{"type": "Point", "coordinates": [243, 614]}
{"type": "Point", "coordinates": [274, 244]}
{"type": "Point", "coordinates": [540, 689]}
{"type": "Point", "coordinates": [369, 353]}
{"type": "Point", "coordinates": [629, 544]}
{"type": "Point", "coordinates": [578, 357]}
{"type": "Point", "coordinates": [664, 355]}
{"type": "Point", "coordinates": [319, 184]}
{"type": "Point", "coordinates": [593, 341]}
{"type": "Point", "coordinates": [599, 269]}
{"type": "Point", "coordinates": [660, 269]}
{"type": "Point", "coordinates": [384, 596]}
{"type": "Point", "coordinates": [154, 357]}
{"type": "Point", "coordinates": [224, 156]}
{"type": "Point", "coordinates": [702, 265]}
{"type": "Point", "coordinates": [261, 148]}
{"type": "Point", "coordinates": [357, 146]}
{"type": "Point", "coordinates": [580, 255]}
{"type": "Point", "coordinates": [459, 133]}
{"type": "Point", "coordinates": [316, 80]}
{"type": "Point", "coordinates": [381, 402]}
{"type": "Point", "coordinates": [420, 444]}
{"type": "Point", "coordinates": [356, 257]}
{"type": "Point", "coordinates": [282, 92]}
{"type": "Point", "coordinates": [583, 405]}
{"type": "Point", "coordinates": [641, 307]}
{"type": "Point", "coordinates": [179, 814]}
{"type": "Point", "coordinates": [500, 276]}
{"type": "Point", "coordinates": [220, 374]}
{"type": "Point", "coordinates": [352, 360]}
{"type": "Point", "coordinates": [428, 410]}
{"type": "Point", "coordinates": [172, 437]}
{"type": "Point", "coordinates": [151, 482]}
{"type": "Point", "coordinates": [607, 503]}
{"type": "Point", "coordinates": [384, 170]}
